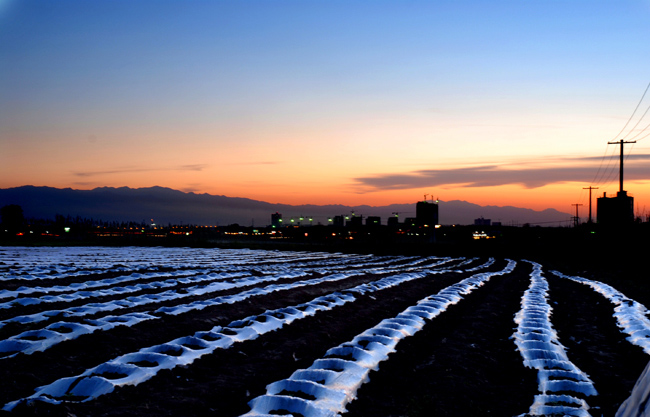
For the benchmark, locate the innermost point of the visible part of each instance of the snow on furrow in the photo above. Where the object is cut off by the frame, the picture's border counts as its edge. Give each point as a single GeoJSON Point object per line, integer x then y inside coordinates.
{"type": "Point", "coordinates": [538, 344]}
{"type": "Point", "coordinates": [174, 310]}
{"type": "Point", "coordinates": [47, 263]}
{"type": "Point", "coordinates": [188, 274]}
{"type": "Point", "coordinates": [109, 282]}
{"type": "Point", "coordinates": [133, 301]}
{"type": "Point", "coordinates": [39, 340]}
{"type": "Point", "coordinates": [332, 382]}
{"type": "Point", "coordinates": [144, 299]}
{"type": "Point", "coordinates": [119, 290]}
{"type": "Point", "coordinates": [386, 264]}
{"type": "Point", "coordinates": [416, 265]}
{"type": "Point", "coordinates": [631, 316]}
{"type": "Point", "coordinates": [183, 276]}
{"type": "Point", "coordinates": [137, 367]}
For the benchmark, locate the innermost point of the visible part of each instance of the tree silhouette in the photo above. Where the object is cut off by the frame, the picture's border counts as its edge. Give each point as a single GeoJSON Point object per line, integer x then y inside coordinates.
{"type": "Point", "coordinates": [12, 218]}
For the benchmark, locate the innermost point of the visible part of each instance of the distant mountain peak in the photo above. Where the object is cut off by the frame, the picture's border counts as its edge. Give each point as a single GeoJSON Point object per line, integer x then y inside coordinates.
{"type": "Point", "coordinates": [167, 205]}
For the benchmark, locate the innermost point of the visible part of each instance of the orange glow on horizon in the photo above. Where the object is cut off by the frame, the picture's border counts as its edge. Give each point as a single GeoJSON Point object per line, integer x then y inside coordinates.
{"type": "Point", "coordinates": [558, 196]}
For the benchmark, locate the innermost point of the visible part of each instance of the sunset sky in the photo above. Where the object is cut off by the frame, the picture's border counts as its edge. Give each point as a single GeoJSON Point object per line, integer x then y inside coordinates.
{"type": "Point", "coordinates": [329, 102]}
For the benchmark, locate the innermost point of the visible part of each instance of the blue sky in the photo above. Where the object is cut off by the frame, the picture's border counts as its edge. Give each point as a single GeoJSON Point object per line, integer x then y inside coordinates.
{"type": "Point", "coordinates": [321, 101]}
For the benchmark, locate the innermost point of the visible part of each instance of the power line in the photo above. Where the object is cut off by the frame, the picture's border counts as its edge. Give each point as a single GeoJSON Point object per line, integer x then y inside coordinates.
{"type": "Point", "coordinates": [609, 170]}
{"type": "Point", "coordinates": [634, 112]}
{"type": "Point", "coordinates": [637, 123]}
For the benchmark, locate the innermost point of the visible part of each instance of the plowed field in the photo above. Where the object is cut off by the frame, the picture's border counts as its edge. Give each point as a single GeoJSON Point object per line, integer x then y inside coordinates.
{"type": "Point", "coordinates": [196, 332]}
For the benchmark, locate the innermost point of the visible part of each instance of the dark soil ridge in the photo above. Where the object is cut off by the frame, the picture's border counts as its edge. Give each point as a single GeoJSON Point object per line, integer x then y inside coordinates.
{"type": "Point", "coordinates": [586, 326]}
{"type": "Point", "coordinates": [14, 328]}
{"type": "Point", "coordinates": [73, 357]}
{"type": "Point", "coordinates": [13, 284]}
{"type": "Point", "coordinates": [463, 363]}
{"type": "Point", "coordinates": [179, 288]}
{"type": "Point", "coordinates": [19, 310]}
{"type": "Point", "coordinates": [438, 371]}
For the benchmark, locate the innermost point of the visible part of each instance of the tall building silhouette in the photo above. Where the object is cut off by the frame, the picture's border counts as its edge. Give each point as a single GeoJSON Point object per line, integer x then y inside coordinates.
{"type": "Point", "coordinates": [615, 210]}
{"type": "Point", "coordinates": [276, 220]}
{"type": "Point", "coordinates": [426, 214]}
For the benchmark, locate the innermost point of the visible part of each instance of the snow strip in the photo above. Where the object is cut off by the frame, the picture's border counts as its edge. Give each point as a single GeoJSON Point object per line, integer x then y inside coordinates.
{"type": "Point", "coordinates": [118, 290]}
{"type": "Point", "coordinates": [632, 317]}
{"type": "Point", "coordinates": [220, 284]}
{"type": "Point", "coordinates": [134, 301]}
{"type": "Point", "coordinates": [27, 264]}
{"type": "Point", "coordinates": [39, 340]}
{"type": "Point", "coordinates": [333, 381]}
{"type": "Point", "coordinates": [538, 344]}
{"type": "Point", "coordinates": [134, 368]}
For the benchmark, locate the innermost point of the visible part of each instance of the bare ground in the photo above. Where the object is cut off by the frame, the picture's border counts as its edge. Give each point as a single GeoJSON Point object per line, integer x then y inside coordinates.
{"type": "Point", "coordinates": [463, 362]}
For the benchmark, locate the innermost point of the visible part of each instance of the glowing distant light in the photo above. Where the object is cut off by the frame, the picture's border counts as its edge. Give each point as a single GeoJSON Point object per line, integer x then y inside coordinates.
{"type": "Point", "coordinates": [67, 229]}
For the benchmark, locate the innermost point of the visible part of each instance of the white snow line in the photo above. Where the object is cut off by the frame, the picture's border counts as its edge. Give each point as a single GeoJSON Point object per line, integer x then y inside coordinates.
{"type": "Point", "coordinates": [144, 299]}
{"type": "Point", "coordinates": [134, 368]}
{"type": "Point", "coordinates": [325, 388]}
{"type": "Point", "coordinates": [39, 340]}
{"type": "Point", "coordinates": [84, 291]}
{"type": "Point", "coordinates": [94, 308]}
{"type": "Point", "coordinates": [631, 316]}
{"type": "Point", "coordinates": [54, 263]}
{"type": "Point", "coordinates": [539, 346]}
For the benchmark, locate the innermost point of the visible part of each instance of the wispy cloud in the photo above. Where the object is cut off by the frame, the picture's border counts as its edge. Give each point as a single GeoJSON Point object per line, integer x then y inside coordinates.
{"type": "Point", "coordinates": [256, 163]}
{"type": "Point", "coordinates": [534, 175]}
{"type": "Point", "coordinates": [194, 167]}
{"type": "Point", "coordinates": [85, 183]}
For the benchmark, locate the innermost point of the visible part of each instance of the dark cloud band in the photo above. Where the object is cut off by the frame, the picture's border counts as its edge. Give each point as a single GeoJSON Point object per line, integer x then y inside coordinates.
{"type": "Point", "coordinates": [193, 167]}
{"type": "Point", "coordinates": [573, 170]}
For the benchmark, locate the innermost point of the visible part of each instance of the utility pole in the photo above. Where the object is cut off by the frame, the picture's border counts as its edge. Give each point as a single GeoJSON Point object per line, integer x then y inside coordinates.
{"type": "Point", "coordinates": [576, 219]}
{"type": "Point", "coordinates": [589, 188]}
{"type": "Point", "coordinates": [620, 175]}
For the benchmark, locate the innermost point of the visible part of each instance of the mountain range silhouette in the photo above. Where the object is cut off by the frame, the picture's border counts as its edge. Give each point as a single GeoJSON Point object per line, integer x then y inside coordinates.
{"type": "Point", "coordinates": [166, 205]}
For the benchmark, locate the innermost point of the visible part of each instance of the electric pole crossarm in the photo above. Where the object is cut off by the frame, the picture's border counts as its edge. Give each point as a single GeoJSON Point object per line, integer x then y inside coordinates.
{"type": "Point", "coordinates": [620, 175]}
{"type": "Point", "coordinates": [576, 219]}
{"type": "Point", "coordinates": [589, 188]}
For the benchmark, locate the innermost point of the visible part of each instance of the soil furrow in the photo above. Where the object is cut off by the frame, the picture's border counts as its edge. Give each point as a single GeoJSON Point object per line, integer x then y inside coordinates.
{"type": "Point", "coordinates": [461, 363]}
{"type": "Point", "coordinates": [587, 328]}
{"type": "Point", "coordinates": [226, 380]}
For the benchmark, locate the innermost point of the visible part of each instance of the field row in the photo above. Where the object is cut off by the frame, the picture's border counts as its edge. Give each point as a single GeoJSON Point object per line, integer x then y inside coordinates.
{"type": "Point", "coordinates": [385, 304]}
